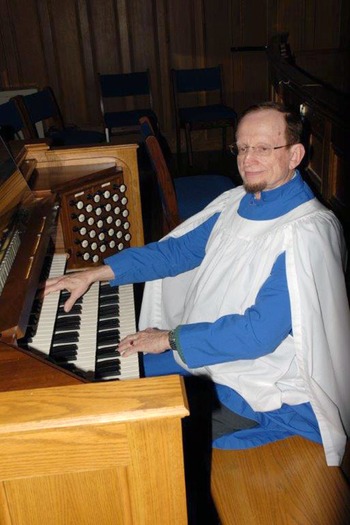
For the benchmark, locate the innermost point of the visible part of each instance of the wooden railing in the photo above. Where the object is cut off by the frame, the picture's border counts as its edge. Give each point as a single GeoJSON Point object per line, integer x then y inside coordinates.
{"type": "Point", "coordinates": [326, 114]}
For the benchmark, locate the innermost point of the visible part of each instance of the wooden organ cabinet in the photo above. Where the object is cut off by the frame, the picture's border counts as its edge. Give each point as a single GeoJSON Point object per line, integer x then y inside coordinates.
{"type": "Point", "coordinates": [74, 450]}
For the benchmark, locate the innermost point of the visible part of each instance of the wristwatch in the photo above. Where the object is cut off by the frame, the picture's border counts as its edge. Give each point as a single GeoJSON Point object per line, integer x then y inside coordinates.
{"type": "Point", "coordinates": [172, 340]}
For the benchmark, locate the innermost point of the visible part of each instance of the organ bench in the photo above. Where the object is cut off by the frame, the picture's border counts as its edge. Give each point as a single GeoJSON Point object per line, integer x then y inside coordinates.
{"type": "Point", "coordinates": [282, 483]}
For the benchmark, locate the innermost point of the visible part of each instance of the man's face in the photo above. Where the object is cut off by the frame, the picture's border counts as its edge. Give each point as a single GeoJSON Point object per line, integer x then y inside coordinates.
{"type": "Point", "coordinates": [265, 127]}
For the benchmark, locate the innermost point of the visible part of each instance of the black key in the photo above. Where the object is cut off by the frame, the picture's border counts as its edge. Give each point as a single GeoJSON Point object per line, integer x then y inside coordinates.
{"type": "Point", "coordinates": [108, 351]}
{"type": "Point", "coordinates": [106, 341]}
{"type": "Point", "coordinates": [64, 358]}
{"type": "Point", "coordinates": [67, 324]}
{"type": "Point", "coordinates": [108, 290]}
{"type": "Point", "coordinates": [107, 323]}
{"type": "Point", "coordinates": [112, 365]}
{"type": "Point", "coordinates": [107, 337]}
{"type": "Point", "coordinates": [64, 297]}
{"type": "Point", "coordinates": [108, 310]}
{"type": "Point", "coordinates": [63, 337]}
{"type": "Point", "coordinates": [66, 353]}
{"type": "Point", "coordinates": [107, 300]}
{"type": "Point", "coordinates": [76, 309]}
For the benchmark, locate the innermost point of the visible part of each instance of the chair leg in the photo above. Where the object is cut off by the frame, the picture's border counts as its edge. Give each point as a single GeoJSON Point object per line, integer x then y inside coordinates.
{"type": "Point", "coordinates": [189, 145]}
{"type": "Point", "coordinates": [107, 135]}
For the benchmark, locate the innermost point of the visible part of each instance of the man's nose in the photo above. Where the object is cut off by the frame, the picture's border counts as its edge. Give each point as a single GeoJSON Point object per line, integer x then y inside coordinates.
{"type": "Point", "coordinates": [249, 155]}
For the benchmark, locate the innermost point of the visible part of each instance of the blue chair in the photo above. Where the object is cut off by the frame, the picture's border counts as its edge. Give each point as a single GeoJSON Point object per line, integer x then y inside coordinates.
{"type": "Point", "coordinates": [11, 122]}
{"type": "Point", "coordinates": [43, 107]}
{"type": "Point", "coordinates": [115, 89]}
{"type": "Point", "coordinates": [181, 197]}
{"type": "Point", "coordinates": [187, 82]}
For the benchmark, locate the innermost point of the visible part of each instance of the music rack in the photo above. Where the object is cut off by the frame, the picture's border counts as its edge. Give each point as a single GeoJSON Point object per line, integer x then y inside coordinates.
{"type": "Point", "coordinates": [94, 216]}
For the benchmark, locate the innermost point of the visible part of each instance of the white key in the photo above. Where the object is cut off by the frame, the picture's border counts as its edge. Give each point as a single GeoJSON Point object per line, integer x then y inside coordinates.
{"type": "Point", "coordinates": [129, 365]}
{"type": "Point", "coordinates": [42, 339]}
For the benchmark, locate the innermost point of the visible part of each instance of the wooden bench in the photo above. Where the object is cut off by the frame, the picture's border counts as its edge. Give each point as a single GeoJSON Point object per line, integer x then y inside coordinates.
{"type": "Point", "coordinates": [282, 483]}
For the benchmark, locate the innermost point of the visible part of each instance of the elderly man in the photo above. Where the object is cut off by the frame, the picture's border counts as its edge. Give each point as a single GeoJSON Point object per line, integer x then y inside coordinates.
{"type": "Point", "coordinates": [249, 293]}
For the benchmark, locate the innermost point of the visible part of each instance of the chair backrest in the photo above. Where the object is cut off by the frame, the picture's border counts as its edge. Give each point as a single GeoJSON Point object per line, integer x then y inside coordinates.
{"type": "Point", "coordinates": [40, 107]}
{"type": "Point", "coordinates": [124, 84]}
{"type": "Point", "coordinates": [11, 122]}
{"type": "Point", "coordinates": [203, 79]}
{"type": "Point", "coordinates": [164, 179]}
{"type": "Point", "coordinates": [189, 84]}
{"type": "Point", "coordinates": [121, 85]}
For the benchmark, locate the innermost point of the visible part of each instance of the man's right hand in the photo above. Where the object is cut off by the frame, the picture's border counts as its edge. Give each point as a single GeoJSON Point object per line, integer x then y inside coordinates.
{"type": "Point", "coordinates": [77, 283]}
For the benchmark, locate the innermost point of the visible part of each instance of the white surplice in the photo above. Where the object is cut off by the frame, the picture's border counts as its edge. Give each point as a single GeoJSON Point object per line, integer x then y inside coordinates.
{"type": "Point", "coordinates": [311, 365]}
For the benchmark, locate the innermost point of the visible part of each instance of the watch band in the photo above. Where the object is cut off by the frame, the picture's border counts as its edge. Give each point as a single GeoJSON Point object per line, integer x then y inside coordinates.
{"type": "Point", "coordinates": [172, 340]}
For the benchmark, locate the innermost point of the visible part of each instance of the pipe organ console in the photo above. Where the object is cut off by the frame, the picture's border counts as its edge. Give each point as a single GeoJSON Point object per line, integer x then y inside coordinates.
{"type": "Point", "coordinates": [92, 210]}
{"type": "Point", "coordinates": [64, 423]}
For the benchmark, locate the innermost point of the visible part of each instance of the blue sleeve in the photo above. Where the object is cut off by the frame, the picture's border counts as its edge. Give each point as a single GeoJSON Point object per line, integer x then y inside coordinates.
{"type": "Point", "coordinates": [257, 332]}
{"type": "Point", "coordinates": [162, 259]}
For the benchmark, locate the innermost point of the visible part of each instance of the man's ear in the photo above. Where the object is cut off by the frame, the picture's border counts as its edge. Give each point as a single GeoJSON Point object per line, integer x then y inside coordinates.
{"type": "Point", "coordinates": [297, 152]}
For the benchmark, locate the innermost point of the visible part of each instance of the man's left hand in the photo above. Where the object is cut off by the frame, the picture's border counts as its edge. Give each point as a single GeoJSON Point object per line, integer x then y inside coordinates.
{"type": "Point", "coordinates": [151, 341]}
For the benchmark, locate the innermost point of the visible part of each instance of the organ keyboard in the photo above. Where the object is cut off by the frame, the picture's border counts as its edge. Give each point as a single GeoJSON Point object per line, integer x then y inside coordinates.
{"type": "Point", "coordinates": [85, 340]}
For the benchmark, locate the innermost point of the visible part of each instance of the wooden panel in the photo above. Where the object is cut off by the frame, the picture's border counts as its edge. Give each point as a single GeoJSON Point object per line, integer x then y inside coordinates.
{"type": "Point", "coordinates": [327, 24]}
{"type": "Point", "coordinates": [250, 68]}
{"type": "Point", "coordinates": [181, 42]}
{"type": "Point", "coordinates": [90, 79]}
{"type": "Point", "coordinates": [10, 59]}
{"type": "Point", "coordinates": [69, 43]}
{"type": "Point", "coordinates": [124, 40]}
{"type": "Point", "coordinates": [107, 50]}
{"type": "Point", "coordinates": [67, 46]}
{"type": "Point", "coordinates": [48, 47]}
{"type": "Point", "coordinates": [84, 497]}
{"type": "Point", "coordinates": [94, 453]}
{"type": "Point", "coordinates": [217, 42]}
{"type": "Point", "coordinates": [157, 449]}
{"type": "Point", "coordinates": [329, 66]}
{"type": "Point", "coordinates": [31, 65]}
{"type": "Point", "coordinates": [100, 447]}
{"type": "Point", "coordinates": [289, 17]}
{"type": "Point", "coordinates": [162, 89]}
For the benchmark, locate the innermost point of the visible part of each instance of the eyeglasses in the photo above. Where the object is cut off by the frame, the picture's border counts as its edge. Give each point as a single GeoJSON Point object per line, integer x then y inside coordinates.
{"type": "Point", "coordinates": [259, 151]}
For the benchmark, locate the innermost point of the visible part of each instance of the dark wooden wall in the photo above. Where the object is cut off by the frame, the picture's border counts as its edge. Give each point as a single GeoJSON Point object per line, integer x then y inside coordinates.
{"type": "Point", "coordinates": [65, 43]}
